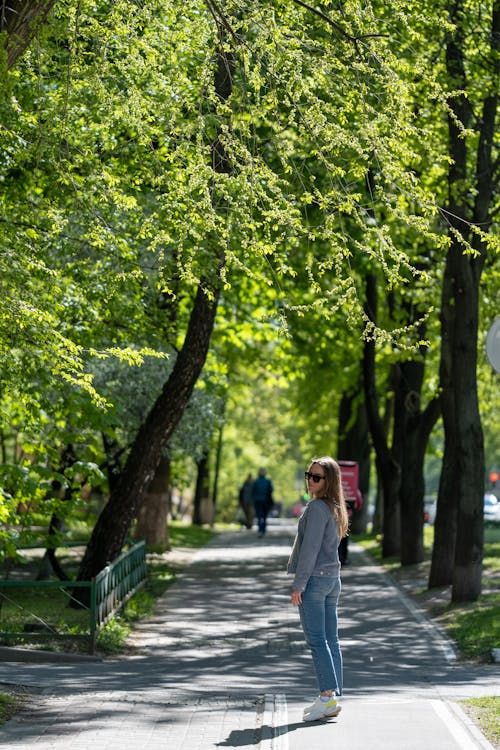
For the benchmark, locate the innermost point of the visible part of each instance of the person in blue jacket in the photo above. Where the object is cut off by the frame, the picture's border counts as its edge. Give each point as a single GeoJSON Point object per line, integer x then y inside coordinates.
{"type": "Point", "coordinates": [314, 563]}
{"type": "Point", "coordinates": [262, 495]}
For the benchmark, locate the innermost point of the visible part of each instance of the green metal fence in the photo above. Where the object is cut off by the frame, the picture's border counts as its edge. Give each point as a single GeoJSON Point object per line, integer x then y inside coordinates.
{"type": "Point", "coordinates": [109, 591]}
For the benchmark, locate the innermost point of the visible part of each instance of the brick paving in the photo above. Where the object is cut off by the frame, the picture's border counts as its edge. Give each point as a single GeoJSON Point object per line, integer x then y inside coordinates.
{"type": "Point", "coordinates": [107, 721]}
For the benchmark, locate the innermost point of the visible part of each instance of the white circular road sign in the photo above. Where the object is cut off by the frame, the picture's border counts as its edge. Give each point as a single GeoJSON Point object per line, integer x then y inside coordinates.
{"type": "Point", "coordinates": [493, 345]}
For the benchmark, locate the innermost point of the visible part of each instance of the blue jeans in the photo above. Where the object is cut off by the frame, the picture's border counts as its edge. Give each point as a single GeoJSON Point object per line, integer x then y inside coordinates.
{"type": "Point", "coordinates": [318, 615]}
{"type": "Point", "coordinates": [261, 511]}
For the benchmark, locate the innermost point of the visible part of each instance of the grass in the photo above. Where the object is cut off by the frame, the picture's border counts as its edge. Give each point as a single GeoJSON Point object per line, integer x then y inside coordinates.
{"type": "Point", "coordinates": [486, 713]}
{"type": "Point", "coordinates": [182, 535]}
{"type": "Point", "coordinates": [475, 626]}
{"type": "Point", "coordinates": [36, 605]}
{"type": "Point", "coordinates": [10, 703]}
{"type": "Point", "coordinates": [49, 605]}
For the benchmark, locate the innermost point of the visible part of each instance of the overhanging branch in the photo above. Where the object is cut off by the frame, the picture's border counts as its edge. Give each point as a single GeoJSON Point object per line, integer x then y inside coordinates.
{"type": "Point", "coordinates": [335, 25]}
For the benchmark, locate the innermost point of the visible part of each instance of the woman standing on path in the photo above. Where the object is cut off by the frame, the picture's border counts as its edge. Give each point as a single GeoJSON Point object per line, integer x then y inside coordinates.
{"type": "Point", "coordinates": [314, 561]}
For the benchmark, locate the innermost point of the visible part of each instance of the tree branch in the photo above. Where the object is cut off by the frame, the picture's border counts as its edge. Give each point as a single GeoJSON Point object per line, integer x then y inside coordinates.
{"type": "Point", "coordinates": [335, 25]}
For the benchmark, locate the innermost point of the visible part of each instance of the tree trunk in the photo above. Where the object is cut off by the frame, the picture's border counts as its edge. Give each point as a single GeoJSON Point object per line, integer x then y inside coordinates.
{"type": "Point", "coordinates": [459, 518]}
{"type": "Point", "coordinates": [114, 453]}
{"type": "Point", "coordinates": [415, 435]}
{"type": "Point", "coordinates": [202, 506]}
{"type": "Point", "coordinates": [113, 524]}
{"type": "Point", "coordinates": [353, 445]}
{"type": "Point", "coordinates": [20, 20]}
{"type": "Point", "coordinates": [445, 523]}
{"type": "Point", "coordinates": [49, 563]}
{"type": "Point", "coordinates": [153, 514]}
{"type": "Point", "coordinates": [218, 458]}
{"type": "Point", "coordinates": [460, 499]}
{"type": "Point", "coordinates": [389, 470]}
{"type": "Point", "coordinates": [411, 491]}
{"type": "Point", "coordinates": [378, 511]}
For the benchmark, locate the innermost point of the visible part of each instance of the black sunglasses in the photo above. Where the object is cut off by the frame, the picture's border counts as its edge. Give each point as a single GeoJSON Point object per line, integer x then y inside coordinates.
{"type": "Point", "coordinates": [315, 477]}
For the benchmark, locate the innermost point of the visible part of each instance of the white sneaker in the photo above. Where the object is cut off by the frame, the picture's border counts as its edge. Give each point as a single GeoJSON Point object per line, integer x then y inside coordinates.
{"type": "Point", "coordinates": [321, 709]}
{"type": "Point", "coordinates": [307, 709]}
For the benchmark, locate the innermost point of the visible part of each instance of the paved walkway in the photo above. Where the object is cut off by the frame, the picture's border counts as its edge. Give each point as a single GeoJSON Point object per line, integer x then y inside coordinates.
{"type": "Point", "coordinates": [223, 664]}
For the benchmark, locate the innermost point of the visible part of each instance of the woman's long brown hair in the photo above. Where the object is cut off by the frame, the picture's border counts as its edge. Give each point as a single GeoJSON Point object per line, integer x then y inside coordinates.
{"type": "Point", "coordinates": [334, 494]}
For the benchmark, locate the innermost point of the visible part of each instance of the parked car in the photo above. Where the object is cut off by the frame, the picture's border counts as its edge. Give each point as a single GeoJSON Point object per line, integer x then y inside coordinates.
{"type": "Point", "coordinates": [491, 508]}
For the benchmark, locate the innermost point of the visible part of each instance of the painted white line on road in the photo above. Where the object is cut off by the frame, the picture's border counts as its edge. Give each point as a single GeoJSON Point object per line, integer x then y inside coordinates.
{"type": "Point", "coordinates": [280, 723]}
{"type": "Point", "coordinates": [274, 723]}
{"type": "Point", "coordinates": [461, 735]}
{"type": "Point", "coordinates": [267, 732]}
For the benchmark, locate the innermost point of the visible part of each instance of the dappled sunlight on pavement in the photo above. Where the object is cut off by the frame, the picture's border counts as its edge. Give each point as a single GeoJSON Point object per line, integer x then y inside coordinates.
{"type": "Point", "coordinates": [222, 663]}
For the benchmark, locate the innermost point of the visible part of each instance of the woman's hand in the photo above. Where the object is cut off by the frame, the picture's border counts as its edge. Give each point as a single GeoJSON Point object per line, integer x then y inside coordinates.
{"type": "Point", "coordinates": [296, 598]}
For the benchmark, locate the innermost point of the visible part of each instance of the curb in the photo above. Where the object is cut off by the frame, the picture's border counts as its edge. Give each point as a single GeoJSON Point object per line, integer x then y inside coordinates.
{"type": "Point", "coordinates": [10, 653]}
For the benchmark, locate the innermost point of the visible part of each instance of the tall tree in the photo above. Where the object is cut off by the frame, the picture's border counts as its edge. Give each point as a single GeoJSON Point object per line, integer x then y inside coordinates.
{"type": "Point", "coordinates": [113, 524]}
{"type": "Point", "coordinates": [473, 70]}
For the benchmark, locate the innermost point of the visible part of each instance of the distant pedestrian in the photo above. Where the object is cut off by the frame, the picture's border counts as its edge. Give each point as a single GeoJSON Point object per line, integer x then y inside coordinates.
{"type": "Point", "coordinates": [315, 564]}
{"type": "Point", "coordinates": [262, 494]}
{"type": "Point", "coordinates": [245, 500]}
{"type": "Point", "coordinates": [352, 505]}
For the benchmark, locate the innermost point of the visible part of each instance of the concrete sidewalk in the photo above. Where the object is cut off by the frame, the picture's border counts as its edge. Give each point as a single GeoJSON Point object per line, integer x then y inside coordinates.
{"type": "Point", "coordinates": [223, 664]}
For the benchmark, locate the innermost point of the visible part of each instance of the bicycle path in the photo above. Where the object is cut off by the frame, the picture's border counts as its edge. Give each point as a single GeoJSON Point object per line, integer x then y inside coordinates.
{"type": "Point", "coordinates": [222, 663]}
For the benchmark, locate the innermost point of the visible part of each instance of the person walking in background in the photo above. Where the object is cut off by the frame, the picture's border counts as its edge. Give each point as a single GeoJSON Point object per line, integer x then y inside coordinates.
{"type": "Point", "coordinates": [262, 494]}
{"type": "Point", "coordinates": [245, 499]}
{"type": "Point", "coordinates": [352, 505]}
{"type": "Point", "coordinates": [315, 565]}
